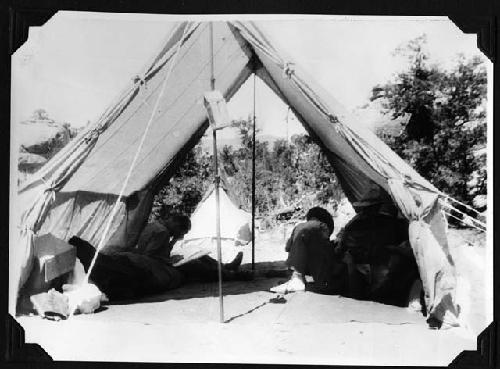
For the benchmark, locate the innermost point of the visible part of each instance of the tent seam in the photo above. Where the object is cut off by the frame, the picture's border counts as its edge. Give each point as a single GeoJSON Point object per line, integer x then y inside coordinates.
{"type": "Point", "coordinates": [189, 109]}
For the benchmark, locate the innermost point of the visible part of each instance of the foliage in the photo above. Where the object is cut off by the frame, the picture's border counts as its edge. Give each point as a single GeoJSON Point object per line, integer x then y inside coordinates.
{"type": "Point", "coordinates": [447, 123]}
{"type": "Point", "coordinates": [186, 187]}
{"type": "Point", "coordinates": [290, 176]}
{"type": "Point", "coordinates": [40, 114]}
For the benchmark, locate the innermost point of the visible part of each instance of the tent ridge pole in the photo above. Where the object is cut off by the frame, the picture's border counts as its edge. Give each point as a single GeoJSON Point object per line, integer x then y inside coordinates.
{"type": "Point", "coordinates": [216, 180]}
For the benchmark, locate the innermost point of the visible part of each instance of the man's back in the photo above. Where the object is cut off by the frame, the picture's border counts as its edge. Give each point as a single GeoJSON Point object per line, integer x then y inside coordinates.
{"type": "Point", "coordinates": [312, 231]}
{"type": "Point", "coordinates": [154, 240]}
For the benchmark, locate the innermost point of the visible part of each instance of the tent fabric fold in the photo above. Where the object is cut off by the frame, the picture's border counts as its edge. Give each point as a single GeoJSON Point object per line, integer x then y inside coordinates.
{"type": "Point", "coordinates": [74, 192]}
{"type": "Point", "coordinates": [35, 201]}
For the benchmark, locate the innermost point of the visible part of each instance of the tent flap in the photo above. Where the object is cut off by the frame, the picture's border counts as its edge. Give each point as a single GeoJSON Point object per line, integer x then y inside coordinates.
{"type": "Point", "coordinates": [437, 274]}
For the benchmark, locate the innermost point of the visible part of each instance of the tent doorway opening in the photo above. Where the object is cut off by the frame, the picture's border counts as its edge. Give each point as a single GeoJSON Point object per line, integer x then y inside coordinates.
{"type": "Point", "coordinates": [292, 175]}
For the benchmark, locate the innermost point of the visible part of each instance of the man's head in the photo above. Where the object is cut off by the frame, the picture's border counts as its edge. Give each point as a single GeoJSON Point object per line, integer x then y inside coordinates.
{"type": "Point", "coordinates": [178, 225]}
{"type": "Point", "coordinates": [322, 215]}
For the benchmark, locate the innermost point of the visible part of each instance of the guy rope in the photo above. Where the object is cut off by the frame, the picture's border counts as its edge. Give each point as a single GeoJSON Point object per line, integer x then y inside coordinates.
{"type": "Point", "coordinates": [134, 161]}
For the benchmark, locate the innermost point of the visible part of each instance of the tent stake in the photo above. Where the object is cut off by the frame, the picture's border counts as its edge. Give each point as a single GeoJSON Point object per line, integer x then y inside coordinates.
{"type": "Point", "coordinates": [217, 180]}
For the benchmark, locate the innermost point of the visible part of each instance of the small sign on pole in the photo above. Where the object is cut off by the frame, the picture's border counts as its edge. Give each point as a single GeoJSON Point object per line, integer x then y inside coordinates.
{"type": "Point", "coordinates": [217, 109]}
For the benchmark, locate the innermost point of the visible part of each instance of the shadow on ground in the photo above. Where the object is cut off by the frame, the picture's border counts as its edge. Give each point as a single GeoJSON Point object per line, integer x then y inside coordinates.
{"type": "Point", "coordinates": [267, 275]}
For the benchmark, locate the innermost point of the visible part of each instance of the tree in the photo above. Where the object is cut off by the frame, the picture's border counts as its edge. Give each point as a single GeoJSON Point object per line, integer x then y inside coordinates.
{"type": "Point", "coordinates": [72, 131]}
{"type": "Point", "coordinates": [186, 187]}
{"type": "Point", "coordinates": [40, 114]}
{"type": "Point", "coordinates": [447, 120]}
{"type": "Point", "coordinates": [288, 173]}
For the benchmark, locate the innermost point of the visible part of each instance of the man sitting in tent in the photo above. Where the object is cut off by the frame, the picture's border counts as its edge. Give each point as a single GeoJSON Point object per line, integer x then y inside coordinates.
{"type": "Point", "coordinates": [371, 259]}
{"type": "Point", "coordinates": [380, 262]}
{"type": "Point", "coordinates": [148, 268]}
{"type": "Point", "coordinates": [310, 252]}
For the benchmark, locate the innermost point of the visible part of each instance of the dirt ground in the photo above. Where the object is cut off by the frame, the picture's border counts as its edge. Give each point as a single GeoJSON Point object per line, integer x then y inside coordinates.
{"type": "Point", "coordinates": [183, 325]}
{"type": "Point", "coordinates": [474, 266]}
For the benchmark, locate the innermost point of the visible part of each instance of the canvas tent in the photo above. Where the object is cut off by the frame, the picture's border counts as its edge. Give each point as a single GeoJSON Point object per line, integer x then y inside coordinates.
{"type": "Point", "coordinates": [235, 228]}
{"type": "Point", "coordinates": [75, 191]}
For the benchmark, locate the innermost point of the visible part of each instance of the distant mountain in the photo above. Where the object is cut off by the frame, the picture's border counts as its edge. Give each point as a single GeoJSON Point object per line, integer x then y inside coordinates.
{"type": "Point", "coordinates": [35, 134]}
{"type": "Point", "coordinates": [40, 138]}
{"type": "Point", "coordinates": [206, 142]}
{"type": "Point", "coordinates": [270, 139]}
{"type": "Point", "coordinates": [370, 115]}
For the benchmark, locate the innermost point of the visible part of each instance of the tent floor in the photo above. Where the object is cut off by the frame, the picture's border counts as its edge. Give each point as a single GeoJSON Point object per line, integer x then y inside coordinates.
{"type": "Point", "coordinates": [183, 326]}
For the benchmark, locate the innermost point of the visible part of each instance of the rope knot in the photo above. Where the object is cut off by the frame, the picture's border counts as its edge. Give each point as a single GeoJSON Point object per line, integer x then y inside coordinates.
{"type": "Point", "coordinates": [140, 80]}
{"type": "Point", "coordinates": [333, 118]}
{"type": "Point", "coordinates": [288, 69]}
{"type": "Point", "coordinates": [93, 134]}
{"type": "Point", "coordinates": [49, 187]}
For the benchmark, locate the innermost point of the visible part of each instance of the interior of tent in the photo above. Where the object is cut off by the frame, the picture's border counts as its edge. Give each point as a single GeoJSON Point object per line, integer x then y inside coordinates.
{"type": "Point", "coordinates": [88, 189]}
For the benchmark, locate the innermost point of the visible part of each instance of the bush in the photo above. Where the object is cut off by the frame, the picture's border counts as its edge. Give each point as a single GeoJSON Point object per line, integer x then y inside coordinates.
{"type": "Point", "coordinates": [447, 124]}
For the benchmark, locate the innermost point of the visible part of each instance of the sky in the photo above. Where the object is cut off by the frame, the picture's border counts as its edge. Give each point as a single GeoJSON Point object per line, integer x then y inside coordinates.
{"type": "Point", "coordinates": [77, 63]}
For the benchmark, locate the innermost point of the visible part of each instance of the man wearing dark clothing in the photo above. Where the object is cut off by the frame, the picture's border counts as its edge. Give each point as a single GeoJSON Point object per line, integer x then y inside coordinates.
{"type": "Point", "coordinates": [126, 275]}
{"type": "Point", "coordinates": [147, 268]}
{"type": "Point", "coordinates": [310, 252]}
{"type": "Point", "coordinates": [380, 261]}
{"type": "Point", "coordinates": [370, 260]}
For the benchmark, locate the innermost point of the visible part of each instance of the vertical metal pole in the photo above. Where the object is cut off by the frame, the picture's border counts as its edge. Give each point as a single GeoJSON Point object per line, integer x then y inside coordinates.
{"type": "Point", "coordinates": [217, 180]}
{"type": "Point", "coordinates": [253, 176]}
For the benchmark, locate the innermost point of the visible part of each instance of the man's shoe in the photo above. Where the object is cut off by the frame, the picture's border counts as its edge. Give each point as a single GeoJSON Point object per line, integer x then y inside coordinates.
{"type": "Point", "coordinates": [235, 264]}
{"type": "Point", "coordinates": [293, 285]}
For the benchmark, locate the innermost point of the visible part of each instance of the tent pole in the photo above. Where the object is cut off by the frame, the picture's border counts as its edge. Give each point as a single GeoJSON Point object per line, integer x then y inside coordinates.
{"type": "Point", "coordinates": [253, 176]}
{"type": "Point", "coordinates": [217, 180]}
